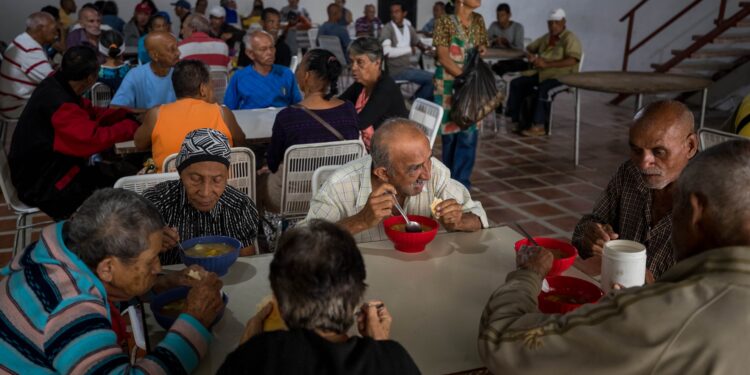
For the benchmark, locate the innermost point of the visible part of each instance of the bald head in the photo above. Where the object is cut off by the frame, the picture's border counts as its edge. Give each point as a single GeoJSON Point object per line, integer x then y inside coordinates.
{"type": "Point", "coordinates": [162, 47]}
{"type": "Point", "coordinates": [395, 134]}
{"type": "Point", "coordinates": [662, 141]}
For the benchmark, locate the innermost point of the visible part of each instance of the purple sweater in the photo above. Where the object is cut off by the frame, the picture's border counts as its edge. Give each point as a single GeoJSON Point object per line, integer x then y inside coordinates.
{"type": "Point", "coordinates": [294, 126]}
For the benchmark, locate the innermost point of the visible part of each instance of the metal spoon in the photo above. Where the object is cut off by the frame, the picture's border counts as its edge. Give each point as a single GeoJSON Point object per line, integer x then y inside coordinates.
{"type": "Point", "coordinates": [411, 226]}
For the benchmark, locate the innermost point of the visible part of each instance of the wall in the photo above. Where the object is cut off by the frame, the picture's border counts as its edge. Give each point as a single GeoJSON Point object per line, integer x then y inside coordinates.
{"type": "Point", "coordinates": [594, 21]}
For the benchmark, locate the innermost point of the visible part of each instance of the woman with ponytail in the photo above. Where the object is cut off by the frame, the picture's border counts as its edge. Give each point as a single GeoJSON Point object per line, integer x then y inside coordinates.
{"type": "Point", "coordinates": [319, 117]}
{"type": "Point", "coordinates": [113, 70]}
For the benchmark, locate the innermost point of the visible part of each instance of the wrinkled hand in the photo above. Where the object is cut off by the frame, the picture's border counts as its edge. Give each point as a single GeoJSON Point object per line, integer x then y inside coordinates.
{"type": "Point", "coordinates": [263, 170]}
{"type": "Point", "coordinates": [530, 57]}
{"type": "Point", "coordinates": [534, 258]}
{"type": "Point", "coordinates": [595, 235]}
{"type": "Point", "coordinates": [379, 205]}
{"type": "Point", "coordinates": [449, 213]}
{"type": "Point", "coordinates": [171, 280]}
{"type": "Point", "coordinates": [374, 322]}
{"type": "Point", "coordinates": [482, 50]}
{"type": "Point", "coordinates": [254, 325]}
{"type": "Point", "coordinates": [170, 239]}
{"type": "Point", "coordinates": [204, 300]}
{"type": "Point", "coordinates": [540, 63]}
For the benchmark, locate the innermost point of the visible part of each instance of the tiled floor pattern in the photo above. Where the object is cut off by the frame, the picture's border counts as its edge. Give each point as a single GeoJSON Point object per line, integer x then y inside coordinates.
{"type": "Point", "coordinates": [531, 181]}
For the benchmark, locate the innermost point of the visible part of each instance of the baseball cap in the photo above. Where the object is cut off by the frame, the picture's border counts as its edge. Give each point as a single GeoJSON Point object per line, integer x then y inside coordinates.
{"type": "Point", "coordinates": [217, 11]}
{"type": "Point", "coordinates": [143, 8]}
{"type": "Point", "coordinates": [556, 15]}
{"type": "Point", "coordinates": [182, 4]}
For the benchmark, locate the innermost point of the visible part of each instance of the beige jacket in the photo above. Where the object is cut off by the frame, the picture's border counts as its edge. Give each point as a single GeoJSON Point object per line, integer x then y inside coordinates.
{"type": "Point", "coordinates": [694, 320]}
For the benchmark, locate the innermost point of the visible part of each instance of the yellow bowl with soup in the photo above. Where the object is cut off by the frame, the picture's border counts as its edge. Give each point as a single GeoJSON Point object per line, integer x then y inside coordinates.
{"type": "Point", "coordinates": [213, 253]}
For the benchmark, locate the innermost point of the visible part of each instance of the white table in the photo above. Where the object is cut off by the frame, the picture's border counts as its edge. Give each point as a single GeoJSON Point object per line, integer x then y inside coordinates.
{"type": "Point", "coordinates": [436, 297]}
{"type": "Point", "coordinates": [256, 123]}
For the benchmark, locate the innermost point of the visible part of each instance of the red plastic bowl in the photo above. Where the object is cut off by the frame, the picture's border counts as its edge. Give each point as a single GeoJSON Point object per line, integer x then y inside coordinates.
{"type": "Point", "coordinates": [560, 264]}
{"type": "Point", "coordinates": [579, 289]}
{"type": "Point", "coordinates": [410, 242]}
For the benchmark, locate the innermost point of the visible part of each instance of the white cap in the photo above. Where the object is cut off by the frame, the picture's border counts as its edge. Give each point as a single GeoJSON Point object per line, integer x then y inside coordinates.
{"type": "Point", "coordinates": [217, 11]}
{"type": "Point", "coordinates": [556, 15]}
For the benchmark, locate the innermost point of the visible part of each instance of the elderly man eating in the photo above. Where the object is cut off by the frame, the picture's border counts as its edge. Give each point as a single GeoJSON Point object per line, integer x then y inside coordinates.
{"type": "Point", "coordinates": [56, 297]}
{"type": "Point", "coordinates": [692, 320]}
{"type": "Point", "coordinates": [201, 203]}
{"type": "Point", "coordinates": [360, 194]}
{"type": "Point", "coordinates": [637, 204]}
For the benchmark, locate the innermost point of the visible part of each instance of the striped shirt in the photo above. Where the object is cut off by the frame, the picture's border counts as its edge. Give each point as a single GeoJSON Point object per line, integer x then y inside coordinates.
{"type": "Point", "coordinates": [234, 215]}
{"type": "Point", "coordinates": [626, 206]}
{"type": "Point", "coordinates": [213, 52]}
{"type": "Point", "coordinates": [25, 64]}
{"type": "Point", "coordinates": [346, 191]}
{"type": "Point", "coordinates": [55, 318]}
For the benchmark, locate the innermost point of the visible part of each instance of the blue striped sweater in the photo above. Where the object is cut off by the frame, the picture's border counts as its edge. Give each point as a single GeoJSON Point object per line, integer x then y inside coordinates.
{"type": "Point", "coordinates": [54, 318]}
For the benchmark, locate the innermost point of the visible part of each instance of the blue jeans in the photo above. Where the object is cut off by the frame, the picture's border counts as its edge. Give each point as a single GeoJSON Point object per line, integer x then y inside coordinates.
{"type": "Point", "coordinates": [459, 153]}
{"type": "Point", "coordinates": [523, 87]}
{"type": "Point", "coordinates": [419, 77]}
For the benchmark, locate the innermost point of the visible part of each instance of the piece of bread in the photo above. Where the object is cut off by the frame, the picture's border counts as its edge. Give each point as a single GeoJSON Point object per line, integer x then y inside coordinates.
{"type": "Point", "coordinates": [193, 274]}
{"type": "Point", "coordinates": [433, 206]}
{"type": "Point", "coordinates": [273, 322]}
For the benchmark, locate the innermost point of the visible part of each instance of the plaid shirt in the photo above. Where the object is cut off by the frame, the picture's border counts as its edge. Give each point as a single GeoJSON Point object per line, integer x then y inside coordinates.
{"type": "Point", "coordinates": [346, 191]}
{"type": "Point", "coordinates": [626, 206]}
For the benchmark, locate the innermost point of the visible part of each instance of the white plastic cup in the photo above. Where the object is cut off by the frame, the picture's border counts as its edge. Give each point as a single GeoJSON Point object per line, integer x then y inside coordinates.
{"type": "Point", "coordinates": [624, 263]}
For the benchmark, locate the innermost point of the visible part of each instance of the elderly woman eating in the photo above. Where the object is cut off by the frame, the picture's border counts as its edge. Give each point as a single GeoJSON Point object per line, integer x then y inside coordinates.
{"type": "Point", "coordinates": [201, 203]}
{"type": "Point", "coordinates": [56, 297]}
{"type": "Point", "coordinates": [375, 95]}
{"type": "Point", "coordinates": [318, 278]}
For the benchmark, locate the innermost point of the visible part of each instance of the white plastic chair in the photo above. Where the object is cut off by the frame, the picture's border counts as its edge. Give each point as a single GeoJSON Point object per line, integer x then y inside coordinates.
{"type": "Point", "coordinates": [301, 161]}
{"type": "Point", "coordinates": [142, 182]}
{"type": "Point", "coordinates": [320, 176]}
{"type": "Point", "coordinates": [293, 64]}
{"type": "Point", "coordinates": [241, 169]}
{"type": "Point", "coordinates": [712, 137]}
{"type": "Point", "coordinates": [101, 95]}
{"type": "Point", "coordinates": [19, 208]}
{"type": "Point", "coordinates": [559, 90]}
{"type": "Point", "coordinates": [333, 44]}
{"type": "Point", "coordinates": [219, 83]}
{"type": "Point", "coordinates": [312, 34]}
{"type": "Point", "coordinates": [429, 115]}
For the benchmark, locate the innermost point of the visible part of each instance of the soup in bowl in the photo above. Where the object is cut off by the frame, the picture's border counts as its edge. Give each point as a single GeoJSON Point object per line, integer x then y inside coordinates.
{"type": "Point", "coordinates": [213, 253]}
{"type": "Point", "coordinates": [567, 294]}
{"type": "Point", "coordinates": [168, 305]}
{"type": "Point", "coordinates": [395, 229]}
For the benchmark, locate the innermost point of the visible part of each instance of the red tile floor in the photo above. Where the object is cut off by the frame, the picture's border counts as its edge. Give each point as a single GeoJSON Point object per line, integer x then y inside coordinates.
{"type": "Point", "coordinates": [531, 181]}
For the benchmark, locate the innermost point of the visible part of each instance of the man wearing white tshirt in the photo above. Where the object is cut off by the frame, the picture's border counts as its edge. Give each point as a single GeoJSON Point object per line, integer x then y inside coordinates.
{"type": "Point", "coordinates": [25, 64]}
{"type": "Point", "coordinates": [400, 41]}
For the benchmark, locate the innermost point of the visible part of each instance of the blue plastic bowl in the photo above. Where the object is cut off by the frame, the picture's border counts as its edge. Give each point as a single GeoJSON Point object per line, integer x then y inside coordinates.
{"type": "Point", "coordinates": [219, 264]}
{"type": "Point", "coordinates": [161, 300]}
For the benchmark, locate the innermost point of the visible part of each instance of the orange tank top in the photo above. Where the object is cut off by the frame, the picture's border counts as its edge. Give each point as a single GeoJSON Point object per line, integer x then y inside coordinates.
{"type": "Point", "coordinates": [176, 120]}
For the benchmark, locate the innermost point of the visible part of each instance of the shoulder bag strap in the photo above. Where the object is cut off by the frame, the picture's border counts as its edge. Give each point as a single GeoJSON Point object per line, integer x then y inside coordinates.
{"type": "Point", "coordinates": [321, 121]}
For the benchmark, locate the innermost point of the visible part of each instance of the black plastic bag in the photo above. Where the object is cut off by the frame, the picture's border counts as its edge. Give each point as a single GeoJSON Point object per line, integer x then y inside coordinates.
{"type": "Point", "coordinates": [474, 92]}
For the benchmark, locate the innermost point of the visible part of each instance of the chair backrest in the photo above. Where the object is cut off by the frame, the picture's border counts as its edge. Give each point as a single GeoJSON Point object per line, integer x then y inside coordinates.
{"type": "Point", "coordinates": [333, 44]}
{"type": "Point", "coordinates": [293, 64]}
{"type": "Point", "coordinates": [429, 115]}
{"type": "Point", "coordinates": [580, 62]}
{"type": "Point", "coordinates": [101, 95]}
{"type": "Point", "coordinates": [9, 191]}
{"type": "Point", "coordinates": [219, 84]}
{"type": "Point", "coordinates": [241, 169]}
{"type": "Point", "coordinates": [142, 182]}
{"type": "Point", "coordinates": [321, 175]}
{"type": "Point", "coordinates": [712, 137]}
{"type": "Point", "coordinates": [312, 34]}
{"type": "Point", "coordinates": [301, 161]}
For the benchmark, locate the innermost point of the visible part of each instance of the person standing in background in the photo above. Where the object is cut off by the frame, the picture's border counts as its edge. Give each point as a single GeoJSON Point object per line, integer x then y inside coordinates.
{"type": "Point", "coordinates": [455, 36]}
